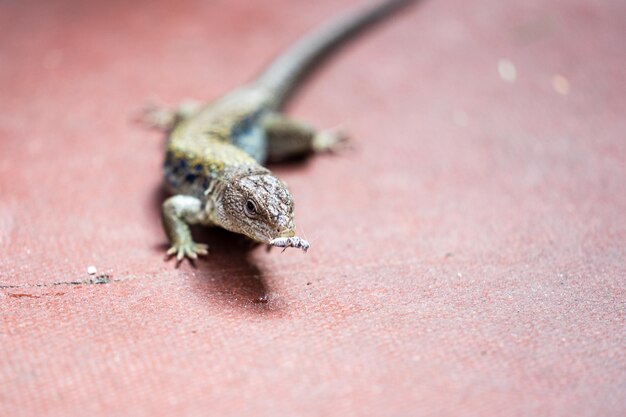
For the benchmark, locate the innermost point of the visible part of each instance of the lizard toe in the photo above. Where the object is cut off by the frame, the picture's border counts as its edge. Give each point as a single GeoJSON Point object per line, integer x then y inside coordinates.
{"type": "Point", "coordinates": [201, 249]}
{"type": "Point", "coordinates": [188, 250]}
{"type": "Point", "coordinates": [332, 141]}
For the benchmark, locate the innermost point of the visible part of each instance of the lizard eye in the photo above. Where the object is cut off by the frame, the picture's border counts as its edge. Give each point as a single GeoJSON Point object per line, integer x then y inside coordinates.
{"type": "Point", "coordinates": [250, 208]}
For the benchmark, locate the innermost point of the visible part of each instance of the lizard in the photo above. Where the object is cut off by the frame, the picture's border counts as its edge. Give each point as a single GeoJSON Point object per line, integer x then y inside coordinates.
{"type": "Point", "coordinates": [216, 152]}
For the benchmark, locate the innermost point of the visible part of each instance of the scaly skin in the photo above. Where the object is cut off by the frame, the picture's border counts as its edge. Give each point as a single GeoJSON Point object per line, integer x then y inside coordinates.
{"type": "Point", "coordinates": [214, 158]}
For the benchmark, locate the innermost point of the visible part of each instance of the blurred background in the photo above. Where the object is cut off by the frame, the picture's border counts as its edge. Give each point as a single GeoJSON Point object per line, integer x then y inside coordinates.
{"type": "Point", "coordinates": [467, 258]}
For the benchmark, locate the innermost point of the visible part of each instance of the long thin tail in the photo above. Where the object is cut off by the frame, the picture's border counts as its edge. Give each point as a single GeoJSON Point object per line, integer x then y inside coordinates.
{"type": "Point", "coordinates": [283, 74]}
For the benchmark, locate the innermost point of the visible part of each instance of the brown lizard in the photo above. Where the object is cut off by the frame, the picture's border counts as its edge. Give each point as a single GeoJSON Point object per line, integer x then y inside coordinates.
{"type": "Point", "coordinates": [215, 152]}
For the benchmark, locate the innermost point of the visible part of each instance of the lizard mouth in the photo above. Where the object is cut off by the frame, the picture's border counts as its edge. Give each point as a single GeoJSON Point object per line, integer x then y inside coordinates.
{"type": "Point", "coordinates": [270, 237]}
{"type": "Point", "coordinates": [287, 233]}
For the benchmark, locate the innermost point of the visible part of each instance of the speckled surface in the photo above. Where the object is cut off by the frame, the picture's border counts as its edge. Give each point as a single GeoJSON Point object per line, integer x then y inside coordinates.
{"type": "Point", "coordinates": [468, 259]}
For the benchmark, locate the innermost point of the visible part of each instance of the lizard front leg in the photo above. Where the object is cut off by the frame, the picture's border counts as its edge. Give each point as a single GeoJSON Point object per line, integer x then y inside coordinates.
{"type": "Point", "coordinates": [288, 138]}
{"type": "Point", "coordinates": [177, 213]}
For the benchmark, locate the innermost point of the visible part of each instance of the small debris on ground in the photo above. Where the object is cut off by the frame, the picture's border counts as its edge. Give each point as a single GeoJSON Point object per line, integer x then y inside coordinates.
{"type": "Point", "coordinates": [100, 279]}
{"type": "Point", "coordinates": [560, 84]}
{"type": "Point", "coordinates": [92, 270]}
{"type": "Point", "coordinates": [507, 70]}
{"type": "Point", "coordinates": [264, 299]}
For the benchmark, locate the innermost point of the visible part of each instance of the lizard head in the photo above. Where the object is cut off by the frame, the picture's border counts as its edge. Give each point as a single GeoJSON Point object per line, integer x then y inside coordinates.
{"type": "Point", "coordinates": [258, 206]}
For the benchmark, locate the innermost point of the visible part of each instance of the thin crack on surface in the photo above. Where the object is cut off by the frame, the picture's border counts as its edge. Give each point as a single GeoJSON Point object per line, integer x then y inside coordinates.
{"type": "Point", "coordinates": [100, 279]}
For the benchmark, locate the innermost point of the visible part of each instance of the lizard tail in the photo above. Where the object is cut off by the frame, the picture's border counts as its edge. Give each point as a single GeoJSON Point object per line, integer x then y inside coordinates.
{"type": "Point", "coordinates": [283, 74]}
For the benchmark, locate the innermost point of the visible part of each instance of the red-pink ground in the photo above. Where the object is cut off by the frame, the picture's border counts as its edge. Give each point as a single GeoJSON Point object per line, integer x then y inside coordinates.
{"type": "Point", "coordinates": [467, 260]}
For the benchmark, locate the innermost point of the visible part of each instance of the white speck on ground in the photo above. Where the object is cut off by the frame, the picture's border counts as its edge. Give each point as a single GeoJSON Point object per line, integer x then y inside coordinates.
{"type": "Point", "coordinates": [507, 70]}
{"type": "Point", "coordinates": [92, 270]}
{"type": "Point", "coordinates": [560, 84]}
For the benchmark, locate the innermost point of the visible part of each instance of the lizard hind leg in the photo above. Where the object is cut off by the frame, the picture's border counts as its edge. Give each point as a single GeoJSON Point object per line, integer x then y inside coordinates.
{"type": "Point", "coordinates": [288, 138]}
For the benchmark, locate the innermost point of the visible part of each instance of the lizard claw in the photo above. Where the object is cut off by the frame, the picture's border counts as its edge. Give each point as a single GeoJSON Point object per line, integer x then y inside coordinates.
{"type": "Point", "coordinates": [163, 118]}
{"type": "Point", "coordinates": [156, 117]}
{"type": "Point", "coordinates": [332, 141]}
{"type": "Point", "coordinates": [190, 250]}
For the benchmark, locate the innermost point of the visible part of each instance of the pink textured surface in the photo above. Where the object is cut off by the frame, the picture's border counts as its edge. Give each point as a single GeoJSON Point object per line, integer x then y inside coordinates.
{"type": "Point", "coordinates": [467, 260]}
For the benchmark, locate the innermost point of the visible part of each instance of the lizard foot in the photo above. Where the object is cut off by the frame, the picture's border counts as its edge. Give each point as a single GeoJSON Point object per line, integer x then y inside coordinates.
{"type": "Point", "coordinates": [290, 242]}
{"type": "Point", "coordinates": [157, 117]}
{"type": "Point", "coordinates": [188, 249]}
{"type": "Point", "coordinates": [163, 118]}
{"type": "Point", "coordinates": [331, 141]}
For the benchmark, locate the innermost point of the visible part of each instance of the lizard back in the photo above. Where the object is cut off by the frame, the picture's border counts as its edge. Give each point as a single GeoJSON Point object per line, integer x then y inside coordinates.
{"type": "Point", "coordinates": [223, 138]}
{"type": "Point", "coordinates": [226, 136]}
